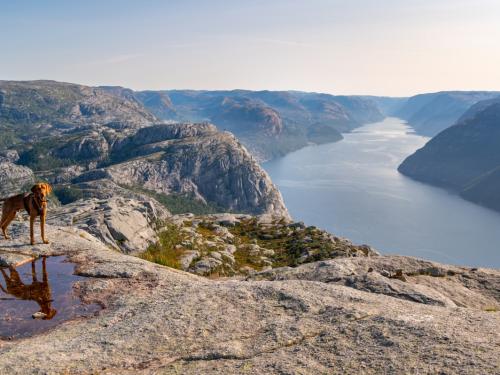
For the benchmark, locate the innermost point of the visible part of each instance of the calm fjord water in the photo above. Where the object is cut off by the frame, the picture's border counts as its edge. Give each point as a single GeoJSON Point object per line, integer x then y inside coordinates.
{"type": "Point", "coordinates": [353, 189]}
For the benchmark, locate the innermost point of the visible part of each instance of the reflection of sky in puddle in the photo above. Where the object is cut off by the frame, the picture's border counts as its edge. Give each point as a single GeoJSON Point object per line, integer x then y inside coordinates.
{"type": "Point", "coordinates": [43, 287]}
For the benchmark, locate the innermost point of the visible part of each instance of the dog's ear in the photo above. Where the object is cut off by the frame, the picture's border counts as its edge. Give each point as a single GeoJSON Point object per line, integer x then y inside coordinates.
{"type": "Point", "coordinates": [35, 187]}
{"type": "Point", "coordinates": [48, 188]}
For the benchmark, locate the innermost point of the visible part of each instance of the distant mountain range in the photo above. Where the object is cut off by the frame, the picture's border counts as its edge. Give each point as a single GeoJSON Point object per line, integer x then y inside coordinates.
{"type": "Point", "coordinates": [431, 113]}
{"type": "Point", "coordinates": [269, 123]}
{"type": "Point", "coordinates": [78, 128]}
{"type": "Point", "coordinates": [464, 157]}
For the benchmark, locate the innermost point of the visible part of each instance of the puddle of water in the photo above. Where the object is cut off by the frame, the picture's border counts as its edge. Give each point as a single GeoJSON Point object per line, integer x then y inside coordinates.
{"type": "Point", "coordinates": [44, 286]}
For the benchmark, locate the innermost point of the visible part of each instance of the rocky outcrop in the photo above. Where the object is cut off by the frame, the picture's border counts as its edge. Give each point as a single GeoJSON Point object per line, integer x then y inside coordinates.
{"type": "Point", "coordinates": [401, 277]}
{"type": "Point", "coordinates": [229, 245]}
{"type": "Point", "coordinates": [198, 161]}
{"type": "Point", "coordinates": [242, 115]}
{"type": "Point", "coordinates": [92, 146]}
{"type": "Point", "coordinates": [14, 178]}
{"type": "Point", "coordinates": [159, 320]}
{"type": "Point", "coordinates": [125, 224]}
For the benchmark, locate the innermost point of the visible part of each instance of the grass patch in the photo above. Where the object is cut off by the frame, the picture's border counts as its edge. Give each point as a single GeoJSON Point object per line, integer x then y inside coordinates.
{"type": "Point", "coordinates": [289, 244]}
{"type": "Point", "coordinates": [178, 203]}
{"type": "Point", "coordinates": [68, 194]}
{"type": "Point", "coordinates": [164, 251]}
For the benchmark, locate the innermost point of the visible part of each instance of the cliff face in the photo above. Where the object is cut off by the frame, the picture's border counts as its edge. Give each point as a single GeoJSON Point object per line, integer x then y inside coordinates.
{"type": "Point", "coordinates": [73, 134]}
{"type": "Point", "coordinates": [197, 161]}
{"type": "Point", "coordinates": [464, 157]}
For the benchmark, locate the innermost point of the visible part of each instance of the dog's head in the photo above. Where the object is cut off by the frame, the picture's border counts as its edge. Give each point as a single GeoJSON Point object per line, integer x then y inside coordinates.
{"type": "Point", "coordinates": [41, 191]}
{"type": "Point", "coordinates": [50, 314]}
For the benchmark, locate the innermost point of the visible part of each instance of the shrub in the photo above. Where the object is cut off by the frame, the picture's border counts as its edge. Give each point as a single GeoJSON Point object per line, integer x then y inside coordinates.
{"type": "Point", "coordinates": [68, 194]}
{"type": "Point", "coordinates": [164, 251]}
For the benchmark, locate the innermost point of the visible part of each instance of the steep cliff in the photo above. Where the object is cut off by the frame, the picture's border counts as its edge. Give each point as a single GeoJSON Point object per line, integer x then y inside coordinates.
{"type": "Point", "coordinates": [74, 135]}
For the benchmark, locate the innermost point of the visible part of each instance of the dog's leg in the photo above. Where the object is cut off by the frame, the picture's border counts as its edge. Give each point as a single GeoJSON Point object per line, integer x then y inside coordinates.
{"type": "Point", "coordinates": [32, 228]}
{"type": "Point", "coordinates": [33, 272]}
{"type": "Point", "coordinates": [42, 226]}
{"type": "Point", "coordinates": [6, 222]}
{"type": "Point", "coordinates": [45, 275]}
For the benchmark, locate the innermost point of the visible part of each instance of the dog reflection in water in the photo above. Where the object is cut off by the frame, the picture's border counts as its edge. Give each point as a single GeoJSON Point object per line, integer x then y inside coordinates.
{"type": "Point", "coordinates": [36, 291]}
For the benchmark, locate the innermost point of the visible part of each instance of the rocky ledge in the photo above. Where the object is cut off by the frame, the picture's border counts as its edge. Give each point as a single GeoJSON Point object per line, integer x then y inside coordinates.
{"type": "Point", "coordinates": [227, 244]}
{"type": "Point", "coordinates": [370, 315]}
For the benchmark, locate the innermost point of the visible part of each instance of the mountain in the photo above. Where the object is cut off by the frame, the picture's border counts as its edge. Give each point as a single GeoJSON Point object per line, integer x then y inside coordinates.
{"type": "Point", "coordinates": [32, 109]}
{"type": "Point", "coordinates": [79, 138]}
{"type": "Point", "coordinates": [387, 105]}
{"type": "Point", "coordinates": [465, 157]}
{"type": "Point", "coordinates": [269, 123]}
{"type": "Point", "coordinates": [431, 113]}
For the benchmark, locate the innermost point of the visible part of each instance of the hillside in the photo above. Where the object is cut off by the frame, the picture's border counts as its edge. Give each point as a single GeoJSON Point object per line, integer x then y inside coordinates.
{"type": "Point", "coordinates": [32, 109]}
{"type": "Point", "coordinates": [465, 157]}
{"type": "Point", "coordinates": [269, 123]}
{"type": "Point", "coordinates": [431, 113]}
{"type": "Point", "coordinates": [79, 137]}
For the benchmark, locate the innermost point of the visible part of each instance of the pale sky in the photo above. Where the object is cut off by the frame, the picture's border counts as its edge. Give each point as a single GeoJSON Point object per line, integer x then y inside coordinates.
{"type": "Point", "coordinates": [380, 47]}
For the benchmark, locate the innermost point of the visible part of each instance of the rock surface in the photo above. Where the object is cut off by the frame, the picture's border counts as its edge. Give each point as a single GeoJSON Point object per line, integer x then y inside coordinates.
{"type": "Point", "coordinates": [125, 224]}
{"type": "Point", "coordinates": [159, 320]}
{"type": "Point", "coordinates": [13, 178]}
{"type": "Point", "coordinates": [206, 164]}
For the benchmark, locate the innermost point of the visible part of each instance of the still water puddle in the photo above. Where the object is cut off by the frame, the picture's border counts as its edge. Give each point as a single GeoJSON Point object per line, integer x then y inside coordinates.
{"type": "Point", "coordinates": [39, 295]}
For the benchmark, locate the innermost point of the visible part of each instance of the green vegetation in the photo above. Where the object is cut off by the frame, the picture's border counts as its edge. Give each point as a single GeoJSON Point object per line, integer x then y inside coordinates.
{"type": "Point", "coordinates": [245, 244]}
{"type": "Point", "coordinates": [491, 309]}
{"type": "Point", "coordinates": [178, 203]}
{"type": "Point", "coordinates": [289, 244]}
{"type": "Point", "coordinates": [68, 194]}
{"type": "Point", "coordinates": [8, 138]}
{"type": "Point", "coordinates": [165, 251]}
{"type": "Point", "coordinates": [38, 157]}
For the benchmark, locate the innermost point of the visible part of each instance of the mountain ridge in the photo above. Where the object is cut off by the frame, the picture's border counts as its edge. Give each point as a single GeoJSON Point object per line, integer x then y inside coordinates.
{"type": "Point", "coordinates": [464, 157]}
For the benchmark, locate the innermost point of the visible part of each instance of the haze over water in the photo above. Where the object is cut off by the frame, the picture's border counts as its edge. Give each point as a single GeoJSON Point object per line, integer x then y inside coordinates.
{"type": "Point", "coordinates": [353, 189]}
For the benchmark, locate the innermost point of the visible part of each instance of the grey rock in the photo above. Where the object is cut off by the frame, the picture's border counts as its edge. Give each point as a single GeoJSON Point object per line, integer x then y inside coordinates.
{"type": "Point", "coordinates": [213, 167]}
{"type": "Point", "coordinates": [187, 258]}
{"type": "Point", "coordinates": [159, 320]}
{"type": "Point", "coordinates": [125, 224]}
{"type": "Point", "coordinates": [11, 156]}
{"type": "Point", "coordinates": [14, 179]}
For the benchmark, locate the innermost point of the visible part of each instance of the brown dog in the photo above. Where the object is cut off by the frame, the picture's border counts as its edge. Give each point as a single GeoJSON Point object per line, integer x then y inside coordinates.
{"type": "Point", "coordinates": [35, 204]}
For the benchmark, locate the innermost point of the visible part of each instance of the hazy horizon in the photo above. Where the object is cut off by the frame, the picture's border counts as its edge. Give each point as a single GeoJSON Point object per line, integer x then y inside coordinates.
{"type": "Point", "coordinates": [360, 47]}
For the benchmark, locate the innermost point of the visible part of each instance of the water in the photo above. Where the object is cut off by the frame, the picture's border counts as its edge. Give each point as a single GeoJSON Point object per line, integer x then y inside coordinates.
{"type": "Point", "coordinates": [42, 286]}
{"type": "Point", "coordinates": [353, 189]}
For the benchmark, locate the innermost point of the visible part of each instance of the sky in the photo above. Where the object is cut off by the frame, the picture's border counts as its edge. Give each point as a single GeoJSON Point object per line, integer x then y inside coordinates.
{"type": "Point", "coordinates": [377, 47]}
